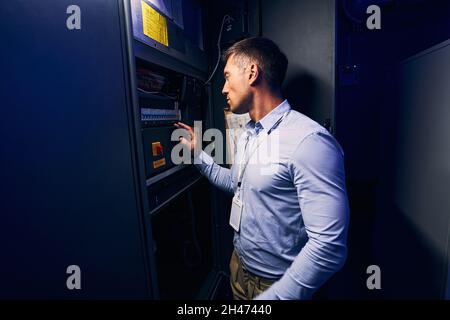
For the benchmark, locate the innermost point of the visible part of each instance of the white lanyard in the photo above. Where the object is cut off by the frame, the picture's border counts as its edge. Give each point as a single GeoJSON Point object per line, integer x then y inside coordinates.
{"type": "Point", "coordinates": [243, 166]}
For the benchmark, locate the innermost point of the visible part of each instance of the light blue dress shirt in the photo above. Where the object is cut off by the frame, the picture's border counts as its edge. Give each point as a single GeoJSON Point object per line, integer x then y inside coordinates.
{"type": "Point", "coordinates": [295, 210]}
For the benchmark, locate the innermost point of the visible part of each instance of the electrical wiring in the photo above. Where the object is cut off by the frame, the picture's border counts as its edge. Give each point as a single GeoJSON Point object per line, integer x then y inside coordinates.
{"type": "Point", "coordinates": [157, 93]}
{"type": "Point", "coordinates": [226, 18]}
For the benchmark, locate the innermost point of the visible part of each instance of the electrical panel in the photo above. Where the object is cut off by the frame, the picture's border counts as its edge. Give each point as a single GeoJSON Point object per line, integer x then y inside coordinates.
{"type": "Point", "coordinates": [165, 97]}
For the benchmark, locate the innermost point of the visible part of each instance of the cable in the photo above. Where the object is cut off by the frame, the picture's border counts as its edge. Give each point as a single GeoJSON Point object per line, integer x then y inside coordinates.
{"type": "Point", "coordinates": [145, 91]}
{"type": "Point", "coordinates": [228, 19]}
{"type": "Point", "coordinates": [158, 93]}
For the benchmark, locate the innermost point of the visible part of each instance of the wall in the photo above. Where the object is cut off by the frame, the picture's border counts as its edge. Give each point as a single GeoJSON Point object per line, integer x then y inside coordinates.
{"type": "Point", "coordinates": [368, 117]}
{"type": "Point", "coordinates": [305, 32]}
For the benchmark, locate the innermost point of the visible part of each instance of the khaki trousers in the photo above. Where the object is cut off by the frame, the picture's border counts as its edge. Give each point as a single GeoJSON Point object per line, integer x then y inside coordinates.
{"type": "Point", "coordinates": [245, 286]}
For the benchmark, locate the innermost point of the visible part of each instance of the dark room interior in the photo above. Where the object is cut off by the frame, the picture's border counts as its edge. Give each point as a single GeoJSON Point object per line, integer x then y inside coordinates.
{"type": "Point", "coordinates": [95, 204]}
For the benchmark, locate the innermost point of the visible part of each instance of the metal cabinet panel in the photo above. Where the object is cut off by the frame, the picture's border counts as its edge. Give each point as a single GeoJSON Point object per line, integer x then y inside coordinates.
{"type": "Point", "coordinates": [68, 193]}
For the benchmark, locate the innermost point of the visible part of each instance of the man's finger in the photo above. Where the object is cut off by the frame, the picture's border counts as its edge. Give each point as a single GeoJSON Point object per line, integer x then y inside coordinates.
{"type": "Point", "coordinates": [184, 126]}
{"type": "Point", "coordinates": [184, 141]}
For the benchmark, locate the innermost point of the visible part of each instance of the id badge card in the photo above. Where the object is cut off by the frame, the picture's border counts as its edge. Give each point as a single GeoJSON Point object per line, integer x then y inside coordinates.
{"type": "Point", "coordinates": [236, 212]}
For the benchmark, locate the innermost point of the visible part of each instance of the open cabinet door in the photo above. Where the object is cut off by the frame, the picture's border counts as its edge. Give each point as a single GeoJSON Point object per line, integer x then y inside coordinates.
{"type": "Point", "coordinates": [70, 211]}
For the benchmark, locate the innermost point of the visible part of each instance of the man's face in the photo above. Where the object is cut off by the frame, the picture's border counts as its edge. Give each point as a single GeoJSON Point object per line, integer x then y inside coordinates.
{"type": "Point", "coordinates": [236, 88]}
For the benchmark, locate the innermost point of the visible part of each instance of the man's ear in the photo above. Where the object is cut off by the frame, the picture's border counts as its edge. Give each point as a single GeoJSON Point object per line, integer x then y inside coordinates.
{"type": "Point", "coordinates": [254, 74]}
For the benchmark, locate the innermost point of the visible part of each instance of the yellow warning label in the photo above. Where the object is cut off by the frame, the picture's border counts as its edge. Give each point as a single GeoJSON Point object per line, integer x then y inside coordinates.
{"type": "Point", "coordinates": [159, 163]}
{"type": "Point", "coordinates": [154, 25]}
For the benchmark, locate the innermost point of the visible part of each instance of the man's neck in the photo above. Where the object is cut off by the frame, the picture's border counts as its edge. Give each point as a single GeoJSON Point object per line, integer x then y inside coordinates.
{"type": "Point", "coordinates": [263, 104]}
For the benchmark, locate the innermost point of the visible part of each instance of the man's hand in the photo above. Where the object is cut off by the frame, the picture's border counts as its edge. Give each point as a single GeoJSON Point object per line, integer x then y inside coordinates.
{"type": "Point", "coordinates": [190, 143]}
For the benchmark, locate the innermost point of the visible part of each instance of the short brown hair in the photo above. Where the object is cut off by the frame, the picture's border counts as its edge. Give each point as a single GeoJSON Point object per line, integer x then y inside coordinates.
{"type": "Point", "coordinates": [265, 53]}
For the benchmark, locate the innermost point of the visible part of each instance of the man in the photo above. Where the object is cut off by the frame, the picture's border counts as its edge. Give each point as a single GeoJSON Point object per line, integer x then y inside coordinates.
{"type": "Point", "coordinates": [291, 223]}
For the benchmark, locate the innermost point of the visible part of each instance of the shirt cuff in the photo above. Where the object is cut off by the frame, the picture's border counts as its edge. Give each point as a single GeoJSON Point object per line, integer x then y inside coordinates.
{"type": "Point", "coordinates": [269, 294]}
{"type": "Point", "coordinates": [203, 158]}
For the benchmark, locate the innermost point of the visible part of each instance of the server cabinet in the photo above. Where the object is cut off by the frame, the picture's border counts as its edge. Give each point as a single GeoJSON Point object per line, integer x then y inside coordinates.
{"type": "Point", "coordinates": [71, 198]}
{"type": "Point", "coordinates": [90, 194]}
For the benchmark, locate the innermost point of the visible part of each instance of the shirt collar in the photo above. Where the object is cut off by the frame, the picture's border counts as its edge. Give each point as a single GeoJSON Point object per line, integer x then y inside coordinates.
{"type": "Point", "coordinates": [269, 119]}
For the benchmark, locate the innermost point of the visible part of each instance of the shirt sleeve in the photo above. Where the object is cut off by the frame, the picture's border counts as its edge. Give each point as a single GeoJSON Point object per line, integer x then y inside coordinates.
{"type": "Point", "coordinates": [317, 170]}
{"type": "Point", "coordinates": [219, 176]}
